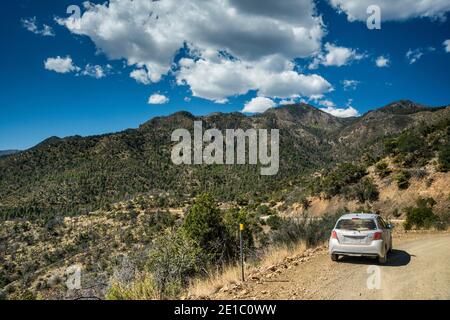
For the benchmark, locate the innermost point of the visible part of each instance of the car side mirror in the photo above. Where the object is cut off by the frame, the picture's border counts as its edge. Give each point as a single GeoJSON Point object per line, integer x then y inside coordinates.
{"type": "Point", "coordinates": [390, 226]}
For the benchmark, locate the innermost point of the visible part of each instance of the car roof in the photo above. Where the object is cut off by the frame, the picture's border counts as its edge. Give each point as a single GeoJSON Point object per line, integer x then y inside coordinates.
{"type": "Point", "coordinates": [360, 215]}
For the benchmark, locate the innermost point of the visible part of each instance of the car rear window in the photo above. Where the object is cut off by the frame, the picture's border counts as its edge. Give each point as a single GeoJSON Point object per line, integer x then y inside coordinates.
{"type": "Point", "coordinates": [356, 224]}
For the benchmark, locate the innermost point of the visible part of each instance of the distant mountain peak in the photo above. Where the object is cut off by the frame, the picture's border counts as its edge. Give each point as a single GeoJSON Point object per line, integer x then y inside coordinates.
{"type": "Point", "coordinates": [8, 152]}
{"type": "Point", "coordinates": [48, 141]}
{"type": "Point", "coordinates": [183, 114]}
{"type": "Point", "coordinates": [293, 109]}
{"type": "Point", "coordinates": [403, 107]}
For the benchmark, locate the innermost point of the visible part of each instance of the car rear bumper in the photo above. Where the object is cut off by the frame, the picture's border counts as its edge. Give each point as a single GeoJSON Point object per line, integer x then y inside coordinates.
{"type": "Point", "coordinates": [374, 249]}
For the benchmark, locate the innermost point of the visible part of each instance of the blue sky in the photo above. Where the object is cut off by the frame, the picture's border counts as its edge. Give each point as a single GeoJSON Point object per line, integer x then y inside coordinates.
{"type": "Point", "coordinates": [218, 68]}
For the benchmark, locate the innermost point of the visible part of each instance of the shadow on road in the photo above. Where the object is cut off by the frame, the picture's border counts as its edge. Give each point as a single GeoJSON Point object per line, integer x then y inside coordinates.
{"type": "Point", "coordinates": [396, 258]}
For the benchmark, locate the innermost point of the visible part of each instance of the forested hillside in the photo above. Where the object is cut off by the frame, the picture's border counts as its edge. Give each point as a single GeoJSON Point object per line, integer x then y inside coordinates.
{"type": "Point", "coordinates": [76, 175]}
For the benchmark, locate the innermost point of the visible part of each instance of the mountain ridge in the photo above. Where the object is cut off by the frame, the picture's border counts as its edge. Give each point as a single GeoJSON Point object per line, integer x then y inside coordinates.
{"type": "Point", "coordinates": [79, 174]}
{"type": "Point", "coordinates": [389, 108]}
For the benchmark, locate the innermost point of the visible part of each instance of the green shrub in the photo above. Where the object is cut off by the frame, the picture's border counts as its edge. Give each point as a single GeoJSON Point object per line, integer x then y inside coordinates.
{"type": "Point", "coordinates": [444, 158]}
{"type": "Point", "coordinates": [411, 148]}
{"type": "Point", "coordinates": [396, 213]}
{"type": "Point", "coordinates": [274, 222]}
{"type": "Point", "coordinates": [305, 203]}
{"type": "Point", "coordinates": [159, 220]}
{"type": "Point", "coordinates": [305, 229]}
{"type": "Point", "coordinates": [23, 294]}
{"type": "Point", "coordinates": [142, 289]}
{"type": "Point", "coordinates": [232, 219]}
{"type": "Point", "coordinates": [382, 169]}
{"type": "Point", "coordinates": [263, 210]}
{"type": "Point", "coordinates": [422, 215]}
{"type": "Point", "coordinates": [242, 201]}
{"type": "Point", "coordinates": [410, 142]}
{"type": "Point", "coordinates": [173, 259]}
{"type": "Point", "coordinates": [364, 190]}
{"type": "Point", "coordinates": [402, 179]}
{"type": "Point", "coordinates": [443, 221]}
{"type": "Point", "coordinates": [205, 227]}
{"type": "Point", "coordinates": [343, 175]}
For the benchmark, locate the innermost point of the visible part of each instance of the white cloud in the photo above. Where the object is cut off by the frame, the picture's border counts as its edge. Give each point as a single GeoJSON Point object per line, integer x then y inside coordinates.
{"type": "Point", "coordinates": [31, 25]}
{"type": "Point", "coordinates": [216, 80]}
{"type": "Point", "coordinates": [341, 112]}
{"type": "Point", "coordinates": [336, 56]}
{"type": "Point", "coordinates": [263, 36]}
{"type": "Point", "coordinates": [347, 112]}
{"type": "Point", "coordinates": [350, 84]}
{"type": "Point", "coordinates": [414, 55]}
{"type": "Point", "coordinates": [141, 76]}
{"type": "Point", "coordinates": [61, 65]}
{"type": "Point", "coordinates": [221, 101]}
{"type": "Point", "coordinates": [393, 10]}
{"type": "Point", "coordinates": [285, 102]}
{"type": "Point", "coordinates": [290, 83]}
{"type": "Point", "coordinates": [258, 105]}
{"type": "Point", "coordinates": [327, 103]}
{"type": "Point", "coordinates": [47, 31]}
{"type": "Point", "coordinates": [382, 62]}
{"type": "Point", "coordinates": [96, 71]}
{"type": "Point", "coordinates": [66, 65]}
{"type": "Point", "coordinates": [447, 45]}
{"type": "Point", "coordinates": [158, 99]}
{"type": "Point", "coordinates": [315, 97]}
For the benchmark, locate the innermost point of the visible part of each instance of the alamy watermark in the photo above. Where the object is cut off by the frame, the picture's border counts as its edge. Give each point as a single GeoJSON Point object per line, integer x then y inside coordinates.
{"type": "Point", "coordinates": [73, 273]}
{"type": "Point", "coordinates": [374, 280]}
{"type": "Point", "coordinates": [75, 16]}
{"type": "Point", "coordinates": [374, 20]}
{"type": "Point", "coordinates": [193, 151]}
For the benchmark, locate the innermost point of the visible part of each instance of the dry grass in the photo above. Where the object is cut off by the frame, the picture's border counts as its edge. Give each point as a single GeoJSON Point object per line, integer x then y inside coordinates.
{"type": "Point", "coordinates": [207, 286]}
{"type": "Point", "coordinates": [142, 289]}
{"type": "Point", "coordinates": [276, 255]}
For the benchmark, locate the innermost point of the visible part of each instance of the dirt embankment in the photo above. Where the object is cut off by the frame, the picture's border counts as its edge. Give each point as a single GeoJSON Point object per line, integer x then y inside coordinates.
{"type": "Point", "coordinates": [425, 182]}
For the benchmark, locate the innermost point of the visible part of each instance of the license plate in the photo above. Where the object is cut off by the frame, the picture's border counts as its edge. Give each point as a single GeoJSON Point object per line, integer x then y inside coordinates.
{"type": "Point", "coordinates": [354, 240]}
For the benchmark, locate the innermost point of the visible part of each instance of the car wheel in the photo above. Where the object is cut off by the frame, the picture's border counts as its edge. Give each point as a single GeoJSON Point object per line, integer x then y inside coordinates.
{"type": "Point", "coordinates": [382, 260]}
{"type": "Point", "coordinates": [334, 257]}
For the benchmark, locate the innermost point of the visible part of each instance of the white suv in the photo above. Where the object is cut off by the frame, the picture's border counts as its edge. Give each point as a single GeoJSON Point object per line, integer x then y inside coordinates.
{"type": "Point", "coordinates": [361, 234]}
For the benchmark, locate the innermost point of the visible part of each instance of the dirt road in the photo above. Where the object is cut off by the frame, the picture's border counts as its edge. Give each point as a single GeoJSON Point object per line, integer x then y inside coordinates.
{"type": "Point", "coordinates": [418, 268]}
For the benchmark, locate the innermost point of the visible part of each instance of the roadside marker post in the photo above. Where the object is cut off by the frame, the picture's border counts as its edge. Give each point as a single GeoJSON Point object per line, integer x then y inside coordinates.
{"type": "Point", "coordinates": [241, 228]}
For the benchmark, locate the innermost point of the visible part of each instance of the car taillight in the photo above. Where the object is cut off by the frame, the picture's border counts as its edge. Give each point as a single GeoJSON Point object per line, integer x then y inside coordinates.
{"type": "Point", "coordinates": [377, 235]}
{"type": "Point", "coordinates": [333, 235]}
